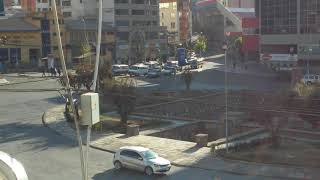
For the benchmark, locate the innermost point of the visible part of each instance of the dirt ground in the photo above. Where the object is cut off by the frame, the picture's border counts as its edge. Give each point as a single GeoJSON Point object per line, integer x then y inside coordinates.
{"type": "Point", "coordinates": [289, 153]}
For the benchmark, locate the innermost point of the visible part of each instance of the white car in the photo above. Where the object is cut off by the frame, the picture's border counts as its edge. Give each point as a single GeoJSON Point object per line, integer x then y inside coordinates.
{"type": "Point", "coordinates": [311, 79]}
{"type": "Point", "coordinates": [141, 159]}
{"type": "Point", "coordinates": [119, 69]}
{"type": "Point", "coordinates": [138, 70]}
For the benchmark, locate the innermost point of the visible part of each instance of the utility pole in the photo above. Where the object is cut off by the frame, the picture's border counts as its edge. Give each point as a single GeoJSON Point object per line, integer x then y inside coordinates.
{"type": "Point", "coordinates": [94, 88]}
{"type": "Point", "coordinates": [65, 73]}
{"type": "Point", "coordinates": [225, 48]}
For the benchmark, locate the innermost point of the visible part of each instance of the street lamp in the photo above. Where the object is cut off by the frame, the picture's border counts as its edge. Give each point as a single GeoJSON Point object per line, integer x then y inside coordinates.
{"type": "Point", "coordinates": [225, 48]}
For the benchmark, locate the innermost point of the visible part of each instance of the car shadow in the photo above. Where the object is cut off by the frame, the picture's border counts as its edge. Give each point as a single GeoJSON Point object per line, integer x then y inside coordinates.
{"type": "Point", "coordinates": [125, 174]}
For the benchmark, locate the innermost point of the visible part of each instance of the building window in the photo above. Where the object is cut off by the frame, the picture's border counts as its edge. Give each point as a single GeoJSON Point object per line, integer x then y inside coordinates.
{"type": "Point", "coordinates": [310, 16]}
{"type": "Point", "coordinates": [137, 12]}
{"type": "Point", "coordinates": [137, 1]}
{"type": "Point", "coordinates": [279, 17]}
{"type": "Point", "coordinates": [67, 14]}
{"type": "Point", "coordinates": [164, 5]}
{"type": "Point", "coordinates": [123, 36]}
{"type": "Point", "coordinates": [122, 12]}
{"type": "Point", "coordinates": [153, 2]}
{"type": "Point", "coordinates": [66, 3]}
{"type": "Point", "coordinates": [54, 34]}
{"type": "Point", "coordinates": [154, 13]}
{"type": "Point", "coordinates": [138, 23]}
{"type": "Point", "coordinates": [121, 1]}
{"type": "Point", "coordinates": [122, 23]}
{"type": "Point", "coordinates": [173, 25]}
{"type": "Point", "coordinates": [45, 9]}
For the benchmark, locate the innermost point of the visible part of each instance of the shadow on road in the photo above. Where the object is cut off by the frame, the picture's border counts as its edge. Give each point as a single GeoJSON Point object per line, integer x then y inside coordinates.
{"type": "Point", "coordinates": [31, 136]}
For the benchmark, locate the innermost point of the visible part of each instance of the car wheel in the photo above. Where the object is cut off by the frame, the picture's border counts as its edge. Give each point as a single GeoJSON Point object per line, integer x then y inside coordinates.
{"type": "Point", "coordinates": [148, 171]}
{"type": "Point", "coordinates": [117, 165]}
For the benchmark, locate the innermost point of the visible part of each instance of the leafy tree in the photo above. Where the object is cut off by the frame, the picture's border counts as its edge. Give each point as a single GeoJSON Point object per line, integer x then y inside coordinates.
{"type": "Point", "coordinates": [201, 44]}
{"type": "Point", "coordinates": [85, 49]}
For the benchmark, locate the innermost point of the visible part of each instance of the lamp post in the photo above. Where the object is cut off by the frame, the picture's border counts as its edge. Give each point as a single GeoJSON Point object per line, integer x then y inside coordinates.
{"type": "Point", "coordinates": [225, 48]}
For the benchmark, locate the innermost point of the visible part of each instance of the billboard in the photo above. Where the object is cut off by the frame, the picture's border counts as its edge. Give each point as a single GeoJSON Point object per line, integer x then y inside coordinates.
{"type": "Point", "coordinates": [181, 56]}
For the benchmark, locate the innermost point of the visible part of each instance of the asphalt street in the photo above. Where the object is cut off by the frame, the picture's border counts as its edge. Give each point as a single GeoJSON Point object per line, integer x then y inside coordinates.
{"type": "Point", "coordinates": [211, 76]}
{"type": "Point", "coordinates": [48, 156]}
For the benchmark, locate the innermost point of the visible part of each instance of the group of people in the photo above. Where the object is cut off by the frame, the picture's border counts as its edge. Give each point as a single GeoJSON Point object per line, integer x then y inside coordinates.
{"type": "Point", "coordinates": [54, 71]}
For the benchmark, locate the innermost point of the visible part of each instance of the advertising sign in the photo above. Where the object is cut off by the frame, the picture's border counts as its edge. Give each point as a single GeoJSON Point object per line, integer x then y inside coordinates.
{"type": "Point", "coordinates": [181, 55]}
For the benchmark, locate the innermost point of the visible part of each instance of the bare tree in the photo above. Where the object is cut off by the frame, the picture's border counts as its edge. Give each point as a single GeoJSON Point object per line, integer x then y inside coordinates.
{"type": "Point", "coordinates": [124, 98]}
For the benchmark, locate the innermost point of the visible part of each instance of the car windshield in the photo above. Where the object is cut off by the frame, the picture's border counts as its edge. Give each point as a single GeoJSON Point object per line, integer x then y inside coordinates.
{"type": "Point", "coordinates": [150, 154]}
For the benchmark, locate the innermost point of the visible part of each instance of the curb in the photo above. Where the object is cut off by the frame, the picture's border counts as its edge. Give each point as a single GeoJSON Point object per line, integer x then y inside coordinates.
{"type": "Point", "coordinates": [236, 173]}
{"type": "Point", "coordinates": [24, 82]}
{"type": "Point", "coordinates": [269, 164]}
{"type": "Point", "coordinates": [196, 167]}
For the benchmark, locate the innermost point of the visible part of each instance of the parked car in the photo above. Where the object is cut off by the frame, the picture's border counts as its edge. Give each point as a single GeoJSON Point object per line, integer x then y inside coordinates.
{"type": "Point", "coordinates": [141, 159]}
{"type": "Point", "coordinates": [154, 73]}
{"type": "Point", "coordinates": [152, 64]}
{"type": "Point", "coordinates": [120, 69]}
{"type": "Point", "coordinates": [311, 79]}
{"type": "Point", "coordinates": [138, 70]}
{"type": "Point", "coordinates": [168, 70]}
{"type": "Point", "coordinates": [195, 64]}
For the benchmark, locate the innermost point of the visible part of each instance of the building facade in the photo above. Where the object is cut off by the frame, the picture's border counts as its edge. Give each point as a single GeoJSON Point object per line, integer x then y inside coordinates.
{"type": "Point", "coordinates": [169, 18]}
{"type": "Point", "coordinates": [290, 33]}
{"type": "Point", "coordinates": [137, 22]}
{"type": "Point", "coordinates": [77, 37]}
{"type": "Point", "coordinates": [23, 46]}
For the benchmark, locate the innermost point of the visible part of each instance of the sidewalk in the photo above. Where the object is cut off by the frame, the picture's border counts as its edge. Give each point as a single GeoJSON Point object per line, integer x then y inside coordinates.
{"type": "Point", "coordinates": [3, 80]}
{"type": "Point", "coordinates": [180, 153]}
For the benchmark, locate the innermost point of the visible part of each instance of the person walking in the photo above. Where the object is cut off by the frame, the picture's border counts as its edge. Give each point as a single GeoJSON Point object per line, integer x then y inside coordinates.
{"type": "Point", "coordinates": [43, 69]}
{"type": "Point", "coordinates": [59, 71]}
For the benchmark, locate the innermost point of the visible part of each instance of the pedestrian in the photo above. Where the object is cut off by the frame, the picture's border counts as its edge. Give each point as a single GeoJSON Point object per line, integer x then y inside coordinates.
{"type": "Point", "coordinates": [43, 69]}
{"type": "Point", "coordinates": [59, 71]}
{"type": "Point", "coordinates": [55, 72]}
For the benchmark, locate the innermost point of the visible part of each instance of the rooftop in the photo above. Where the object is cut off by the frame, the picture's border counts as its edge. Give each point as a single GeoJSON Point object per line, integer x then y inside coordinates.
{"type": "Point", "coordinates": [16, 24]}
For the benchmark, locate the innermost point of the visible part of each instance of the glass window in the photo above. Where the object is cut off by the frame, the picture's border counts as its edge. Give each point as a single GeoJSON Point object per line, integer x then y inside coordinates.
{"type": "Point", "coordinates": [137, 1]}
{"type": "Point", "coordinates": [121, 1]}
{"type": "Point", "coordinates": [279, 17]}
{"type": "Point", "coordinates": [122, 12]}
{"type": "Point", "coordinates": [137, 12]}
{"type": "Point", "coordinates": [122, 23]}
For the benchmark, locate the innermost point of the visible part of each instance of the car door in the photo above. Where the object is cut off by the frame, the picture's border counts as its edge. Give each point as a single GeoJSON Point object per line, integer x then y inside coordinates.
{"type": "Point", "coordinates": [125, 158]}
{"type": "Point", "coordinates": [137, 161]}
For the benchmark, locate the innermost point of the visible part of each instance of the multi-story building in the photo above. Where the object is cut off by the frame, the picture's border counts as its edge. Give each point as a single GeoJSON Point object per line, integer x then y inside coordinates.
{"type": "Point", "coordinates": [169, 17]}
{"type": "Point", "coordinates": [77, 36]}
{"type": "Point", "coordinates": [137, 22]}
{"type": "Point", "coordinates": [227, 17]}
{"type": "Point", "coordinates": [290, 33]}
{"type": "Point", "coordinates": [23, 46]}
{"type": "Point", "coordinates": [72, 9]}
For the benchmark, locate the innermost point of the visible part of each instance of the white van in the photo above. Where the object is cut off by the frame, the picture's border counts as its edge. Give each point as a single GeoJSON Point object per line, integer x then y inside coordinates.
{"type": "Point", "coordinates": [138, 70]}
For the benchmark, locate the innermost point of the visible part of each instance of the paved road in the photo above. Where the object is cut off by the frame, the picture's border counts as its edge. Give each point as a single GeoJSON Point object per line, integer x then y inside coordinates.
{"type": "Point", "coordinates": [48, 156]}
{"type": "Point", "coordinates": [211, 76]}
